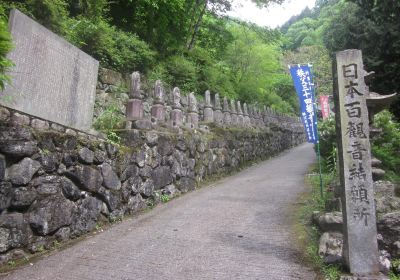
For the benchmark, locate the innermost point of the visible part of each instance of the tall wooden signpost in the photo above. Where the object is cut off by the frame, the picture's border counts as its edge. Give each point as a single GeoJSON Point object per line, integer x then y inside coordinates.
{"type": "Point", "coordinates": [360, 244]}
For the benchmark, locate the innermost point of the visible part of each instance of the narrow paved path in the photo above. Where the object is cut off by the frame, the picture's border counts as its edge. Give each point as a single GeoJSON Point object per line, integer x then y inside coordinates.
{"type": "Point", "coordinates": [239, 228]}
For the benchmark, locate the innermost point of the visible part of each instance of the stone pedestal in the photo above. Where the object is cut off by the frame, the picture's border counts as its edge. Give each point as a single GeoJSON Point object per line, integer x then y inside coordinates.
{"type": "Point", "coordinates": [234, 119]}
{"type": "Point", "coordinates": [240, 120]}
{"type": "Point", "coordinates": [158, 112]}
{"type": "Point", "coordinates": [193, 120]}
{"type": "Point", "coordinates": [208, 115]}
{"type": "Point", "coordinates": [176, 117]}
{"type": "Point", "coordinates": [134, 110]}
{"type": "Point", "coordinates": [227, 118]}
{"type": "Point", "coordinates": [218, 117]}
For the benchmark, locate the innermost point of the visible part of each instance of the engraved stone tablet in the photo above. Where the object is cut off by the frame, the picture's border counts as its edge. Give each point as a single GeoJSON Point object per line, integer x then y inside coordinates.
{"type": "Point", "coordinates": [51, 78]}
{"type": "Point", "coordinates": [359, 227]}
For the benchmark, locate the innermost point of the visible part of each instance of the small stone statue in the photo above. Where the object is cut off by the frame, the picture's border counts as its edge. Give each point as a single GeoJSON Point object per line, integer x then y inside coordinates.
{"type": "Point", "coordinates": [217, 102]}
{"type": "Point", "coordinates": [158, 93]}
{"type": "Point", "coordinates": [134, 92]}
{"type": "Point", "coordinates": [192, 103]}
{"type": "Point", "coordinates": [176, 98]}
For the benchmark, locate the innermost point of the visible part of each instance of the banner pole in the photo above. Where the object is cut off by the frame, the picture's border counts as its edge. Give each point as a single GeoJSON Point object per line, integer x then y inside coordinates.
{"type": "Point", "coordinates": [320, 170]}
{"type": "Point", "coordinates": [318, 146]}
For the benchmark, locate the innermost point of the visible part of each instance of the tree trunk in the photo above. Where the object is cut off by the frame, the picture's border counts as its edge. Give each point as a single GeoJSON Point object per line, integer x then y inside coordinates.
{"type": "Point", "coordinates": [197, 26]}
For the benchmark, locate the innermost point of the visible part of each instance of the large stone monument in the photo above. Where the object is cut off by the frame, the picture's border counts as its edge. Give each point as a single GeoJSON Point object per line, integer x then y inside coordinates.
{"type": "Point", "coordinates": [360, 250]}
{"type": "Point", "coordinates": [51, 79]}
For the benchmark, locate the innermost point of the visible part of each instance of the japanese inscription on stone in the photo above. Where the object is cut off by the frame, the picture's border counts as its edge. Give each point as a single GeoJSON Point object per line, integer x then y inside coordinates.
{"type": "Point", "coordinates": [51, 78]}
{"type": "Point", "coordinates": [360, 244]}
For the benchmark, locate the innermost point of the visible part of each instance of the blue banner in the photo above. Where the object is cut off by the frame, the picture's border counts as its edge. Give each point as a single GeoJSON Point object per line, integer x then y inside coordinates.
{"type": "Point", "coordinates": [303, 82]}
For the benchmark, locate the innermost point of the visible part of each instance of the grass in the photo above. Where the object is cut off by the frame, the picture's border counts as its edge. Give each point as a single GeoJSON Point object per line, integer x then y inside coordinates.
{"type": "Point", "coordinates": [392, 274]}
{"type": "Point", "coordinates": [308, 233]}
{"type": "Point", "coordinates": [164, 198]}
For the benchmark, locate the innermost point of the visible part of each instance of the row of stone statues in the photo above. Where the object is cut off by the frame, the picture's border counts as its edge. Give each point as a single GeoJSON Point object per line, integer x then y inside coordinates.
{"type": "Point", "coordinates": [230, 114]}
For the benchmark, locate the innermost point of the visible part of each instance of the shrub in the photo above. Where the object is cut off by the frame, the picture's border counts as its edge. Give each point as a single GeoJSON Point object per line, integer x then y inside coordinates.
{"type": "Point", "coordinates": [159, 72]}
{"type": "Point", "coordinates": [5, 47]}
{"type": "Point", "coordinates": [327, 142]}
{"type": "Point", "coordinates": [183, 72]}
{"type": "Point", "coordinates": [115, 49]}
{"type": "Point", "coordinates": [386, 145]}
{"type": "Point", "coordinates": [110, 119]}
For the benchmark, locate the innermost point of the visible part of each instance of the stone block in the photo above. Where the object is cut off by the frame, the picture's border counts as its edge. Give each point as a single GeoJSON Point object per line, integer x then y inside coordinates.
{"type": "Point", "coordinates": [176, 117]}
{"type": "Point", "coordinates": [21, 173]}
{"type": "Point", "coordinates": [142, 124]}
{"type": "Point", "coordinates": [110, 178]}
{"type": "Point", "coordinates": [2, 167]}
{"type": "Point", "coordinates": [158, 112]}
{"type": "Point", "coordinates": [193, 120]}
{"type": "Point", "coordinates": [110, 77]}
{"type": "Point", "coordinates": [40, 124]}
{"type": "Point", "coordinates": [86, 177]}
{"type": "Point", "coordinates": [4, 114]}
{"type": "Point", "coordinates": [50, 214]}
{"type": "Point", "coordinates": [134, 109]}
{"type": "Point", "coordinates": [208, 115]}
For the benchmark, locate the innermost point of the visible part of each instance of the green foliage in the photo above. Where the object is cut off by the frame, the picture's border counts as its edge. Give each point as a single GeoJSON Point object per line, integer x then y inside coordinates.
{"type": "Point", "coordinates": [256, 70]}
{"type": "Point", "coordinates": [92, 9]}
{"type": "Point", "coordinates": [393, 275]}
{"type": "Point", "coordinates": [327, 142]}
{"type": "Point", "coordinates": [50, 13]}
{"type": "Point", "coordinates": [196, 48]}
{"type": "Point", "coordinates": [183, 72]}
{"type": "Point", "coordinates": [5, 47]}
{"type": "Point", "coordinates": [114, 48]}
{"type": "Point", "coordinates": [386, 146]}
{"type": "Point", "coordinates": [373, 27]}
{"type": "Point", "coordinates": [109, 121]}
{"type": "Point", "coordinates": [301, 33]}
{"type": "Point", "coordinates": [164, 198]}
{"type": "Point", "coordinates": [319, 57]}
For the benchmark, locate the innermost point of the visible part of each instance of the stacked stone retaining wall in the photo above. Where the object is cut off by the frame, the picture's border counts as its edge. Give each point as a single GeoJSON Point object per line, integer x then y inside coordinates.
{"type": "Point", "coordinates": [56, 184]}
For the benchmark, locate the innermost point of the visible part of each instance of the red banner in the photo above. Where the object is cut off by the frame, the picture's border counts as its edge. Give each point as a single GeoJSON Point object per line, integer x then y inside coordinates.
{"type": "Point", "coordinates": [324, 102]}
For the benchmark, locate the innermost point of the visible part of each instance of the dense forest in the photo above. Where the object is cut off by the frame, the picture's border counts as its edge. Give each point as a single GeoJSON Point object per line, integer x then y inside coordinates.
{"type": "Point", "coordinates": [195, 46]}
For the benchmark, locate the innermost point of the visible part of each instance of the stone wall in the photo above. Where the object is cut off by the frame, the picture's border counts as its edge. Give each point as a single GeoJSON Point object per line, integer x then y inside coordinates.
{"type": "Point", "coordinates": [58, 184]}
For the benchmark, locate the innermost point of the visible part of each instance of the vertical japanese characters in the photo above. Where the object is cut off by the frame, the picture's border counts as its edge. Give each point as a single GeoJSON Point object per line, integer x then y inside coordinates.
{"type": "Point", "coordinates": [360, 234]}
{"type": "Point", "coordinates": [356, 149]}
{"type": "Point", "coordinates": [302, 79]}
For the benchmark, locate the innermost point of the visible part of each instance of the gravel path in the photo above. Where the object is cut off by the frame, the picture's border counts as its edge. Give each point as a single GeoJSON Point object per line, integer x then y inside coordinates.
{"type": "Point", "coordinates": [238, 228]}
